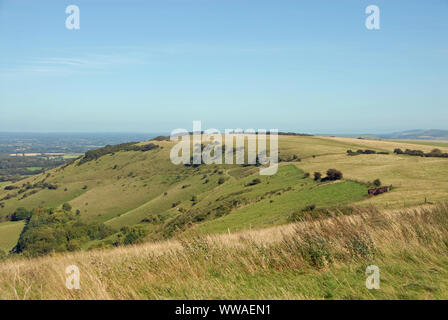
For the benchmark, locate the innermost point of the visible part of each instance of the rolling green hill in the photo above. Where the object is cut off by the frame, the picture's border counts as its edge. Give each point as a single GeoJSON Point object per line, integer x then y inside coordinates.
{"type": "Point", "coordinates": [138, 185]}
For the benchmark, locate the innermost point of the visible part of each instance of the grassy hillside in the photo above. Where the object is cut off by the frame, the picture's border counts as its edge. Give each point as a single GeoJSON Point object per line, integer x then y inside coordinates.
{"type": "Point", "coordinates": [130, 187]}
{"type": "Point", "coordinates": [314, 259]}
{"type": "Point", "coordinates": [9, 234]}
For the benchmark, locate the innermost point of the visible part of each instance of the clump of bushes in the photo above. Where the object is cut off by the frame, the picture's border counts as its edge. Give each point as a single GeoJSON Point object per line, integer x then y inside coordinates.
{"type": "Point", "coordinates": [11, 187]}
{"type": "Point", "coordinates": [333, 174]}
{"type": "Point", "coordinates": [48, 231]}
{"type": "Point", "coordinates": [289, 158]}
{"type": "Point", "coordinates": [435, 153]}
{"type": "Point", "coordinates": [317, 176]}
{"type": "Point", "coordinates": [130, 235]}
{"type": "Point", "coordinates": [360, 151]}
{"type": "Point", "coordinates": [129, 146]}
{"type": "Point", "coordinates": [20, 214]}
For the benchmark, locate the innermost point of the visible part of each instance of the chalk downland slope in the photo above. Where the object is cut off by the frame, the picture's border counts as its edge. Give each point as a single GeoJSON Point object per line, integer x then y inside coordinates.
{"type": "Point", "coordinates": [322, 258]}
{"type": "Point", "coordinates": [142, 187]}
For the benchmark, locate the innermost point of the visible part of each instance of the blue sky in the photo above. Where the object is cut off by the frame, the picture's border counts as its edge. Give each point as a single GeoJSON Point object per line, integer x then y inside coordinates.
{"type": "Point", "coordinates": [151, 66]}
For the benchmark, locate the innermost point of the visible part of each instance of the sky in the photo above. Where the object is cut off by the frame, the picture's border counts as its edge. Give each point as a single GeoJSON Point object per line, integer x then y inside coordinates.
{"type": "Point", "coordinates": [292, 65]}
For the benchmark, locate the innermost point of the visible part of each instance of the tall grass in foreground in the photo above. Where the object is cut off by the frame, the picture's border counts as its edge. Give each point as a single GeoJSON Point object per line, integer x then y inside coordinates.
{"type": "Point", "coordinates": [312, 259]}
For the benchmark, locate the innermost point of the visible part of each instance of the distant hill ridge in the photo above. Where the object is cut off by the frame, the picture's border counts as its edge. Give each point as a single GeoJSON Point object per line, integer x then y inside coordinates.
{"type": "Point", "coordinates": [433, 134]}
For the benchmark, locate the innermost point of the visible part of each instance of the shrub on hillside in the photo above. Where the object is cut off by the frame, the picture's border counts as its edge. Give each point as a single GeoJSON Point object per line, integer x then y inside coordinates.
{"type": "Point", "coordinates": [377, 182]}
{"type": "Point", "coordinates": [50, 231]}
{"type": "Point", "coordinates": [254, 182]}
{"type": "Point", "coordinates": [333, 174]}
{"type": "Point", "coordinates": [20, 214]}
{"type": "Point", "coordinates": [317, 176]}
{"type": "Point", "coordinates": [130, 235]}
{"type": "Point", "coordinates": [418, 153]}
{"type": "Point", "coordinates": [129, 146]}
{"type": "Point", "coordinates": [66, 207]}
{"type": "Point", "coordinates": [436, 153]}
{"type": "Point", "coordinates": [360, 151]}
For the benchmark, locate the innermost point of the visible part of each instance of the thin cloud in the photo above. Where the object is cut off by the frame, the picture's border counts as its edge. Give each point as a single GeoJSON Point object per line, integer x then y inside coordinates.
{"type": "Point", "coordinates": [60, 65]}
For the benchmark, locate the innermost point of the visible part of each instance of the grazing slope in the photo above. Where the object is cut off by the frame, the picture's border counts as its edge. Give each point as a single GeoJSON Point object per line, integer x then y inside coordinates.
{"type": "Point", "coordinates": [141, 186]}
{"type": "Point", "coordinates": [313, 259]}
{"type": "Point", "coordinates": [9, 233]}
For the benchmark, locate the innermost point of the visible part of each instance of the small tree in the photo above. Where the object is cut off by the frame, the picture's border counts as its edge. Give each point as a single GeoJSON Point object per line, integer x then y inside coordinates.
{"type": "Point", "coordinates": [333, 174]}
{"type": "Point", "coordinates": [66, 207]}
{"type": "Point", "coordinates": [377, 182]}
{"type": "Point", "coordinates": [398, 151]}
{"type": "Point", "coordinates": [317, 176]}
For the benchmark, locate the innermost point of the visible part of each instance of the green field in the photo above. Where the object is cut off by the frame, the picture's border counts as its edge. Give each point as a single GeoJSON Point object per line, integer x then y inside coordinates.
{"type": "Point", "coordinates": [34, 168]}
{"type": "Point", "coordinates": [72, 155]}
{"type": "Point", "coordinates": [4, 183]}
{"type": "Point", "coordinates": [266, 213]}
{"type": "Point", "coordinates": [9, 234]}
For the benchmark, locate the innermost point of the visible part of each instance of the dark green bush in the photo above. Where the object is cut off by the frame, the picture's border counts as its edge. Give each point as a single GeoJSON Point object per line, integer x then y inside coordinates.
{"type": "Point", "coordinates": [66, 207]}
{"type": "Point", "coordinates": [20, 214]}
{"type": "Point", "coordinates": [333, 174]}
{"type": "Point", "coordinates": [254, 182]}
{"type": "Point", "coordinates": [47, 231]}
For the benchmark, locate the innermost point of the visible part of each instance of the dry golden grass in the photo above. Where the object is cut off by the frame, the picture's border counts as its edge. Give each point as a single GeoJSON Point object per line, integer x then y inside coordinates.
{"type": "Point", "coordinates": [323, 258]}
